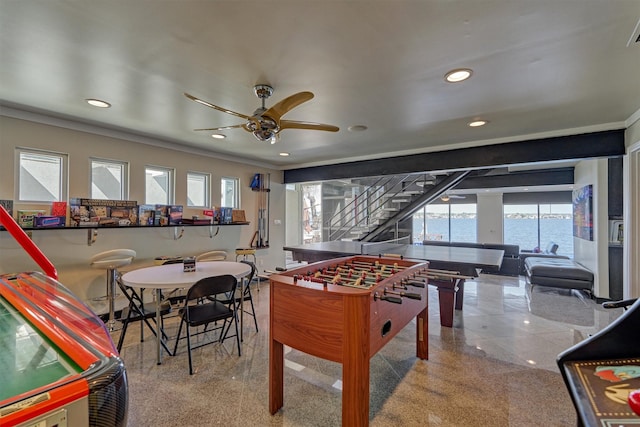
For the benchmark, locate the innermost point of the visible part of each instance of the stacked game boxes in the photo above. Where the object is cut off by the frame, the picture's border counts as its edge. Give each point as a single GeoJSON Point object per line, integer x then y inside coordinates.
{"type": "Point", "coordinates": [103, 213]}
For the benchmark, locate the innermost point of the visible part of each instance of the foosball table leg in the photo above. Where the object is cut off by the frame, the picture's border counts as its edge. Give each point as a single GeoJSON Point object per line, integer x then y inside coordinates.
{"type": "Point", "coordinates": [276, 376]}
{"type": "Point", "coordinates": [422, 335]}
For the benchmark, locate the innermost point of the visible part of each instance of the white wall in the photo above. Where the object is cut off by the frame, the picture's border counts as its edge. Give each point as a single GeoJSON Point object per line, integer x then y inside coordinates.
{"type": "Point", "coordinates": [631, 250]}
{"type": "Point", "coordinates": [595, 254]}
{"type": "Point", "coordinates": [293, 207]}
{"type": "Point", "coordinates": [68, 249]}
{"type": "Point", "coordinates": [490, 214]}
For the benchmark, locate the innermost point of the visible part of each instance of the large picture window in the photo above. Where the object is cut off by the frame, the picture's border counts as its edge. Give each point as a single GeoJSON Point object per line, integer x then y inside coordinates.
{"type": "Point", "coordinates": [446, 222]}
{"type": "Point", "coordinates": [42, 176]}
{"type": "Point", "coordinates": [534, 226]}
{"type": "Point", "coordinates": [159, 185]}
{"type": "Point", "coordinates": [109, 179]}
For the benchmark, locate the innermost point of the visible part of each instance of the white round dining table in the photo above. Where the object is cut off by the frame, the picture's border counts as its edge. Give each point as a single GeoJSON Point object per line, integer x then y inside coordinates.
{"type": "Point", "coordinates": [171, 276]}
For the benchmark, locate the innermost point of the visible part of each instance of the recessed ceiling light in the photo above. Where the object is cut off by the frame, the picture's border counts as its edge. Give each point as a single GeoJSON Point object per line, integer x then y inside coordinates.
{"type": "Point", "coordinates": [477, 123]}
{"type": "Point", "coordinates": [357, 128]}
{"type": "Point", "coordinates": [284, 154]}
{"type": "Point", "coordinates": [458, 75]}
{"type": "Point", "coordinates": [218, 136]}
{"type": "Point", "coordinates": [98, 103]}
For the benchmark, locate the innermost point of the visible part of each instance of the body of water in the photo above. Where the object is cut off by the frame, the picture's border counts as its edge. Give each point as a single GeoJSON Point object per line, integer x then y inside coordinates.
{"type": "Point", "coordinates": [521, 231]}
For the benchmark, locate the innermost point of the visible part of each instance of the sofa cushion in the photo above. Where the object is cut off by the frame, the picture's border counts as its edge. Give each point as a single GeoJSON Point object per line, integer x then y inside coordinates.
{"type": "Point", "coordinates": [558, 272]}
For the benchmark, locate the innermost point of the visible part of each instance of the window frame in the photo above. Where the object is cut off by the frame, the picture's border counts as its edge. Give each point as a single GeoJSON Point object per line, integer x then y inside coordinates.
{"type": "Point", "coordinates": [207, 189]}
{"type": "Point", "coordinates": [171, 172]}
{"type": "Point", "coordinates": [124, 184]}
{"type": "Point", "coordinates": [236, 191]}
{"type": "Point", "coordinates": [63, 172]}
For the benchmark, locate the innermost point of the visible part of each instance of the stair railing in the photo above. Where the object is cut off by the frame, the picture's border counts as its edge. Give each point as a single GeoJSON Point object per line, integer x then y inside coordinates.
{"type": "Point", "coordinates": [372, 201]}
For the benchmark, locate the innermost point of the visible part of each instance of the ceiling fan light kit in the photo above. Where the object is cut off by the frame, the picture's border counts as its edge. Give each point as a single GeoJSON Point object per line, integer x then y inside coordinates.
{"type": "Point", "coordinates": [266, 124]}
{"type": "Point", "coordinates": [447, 197]}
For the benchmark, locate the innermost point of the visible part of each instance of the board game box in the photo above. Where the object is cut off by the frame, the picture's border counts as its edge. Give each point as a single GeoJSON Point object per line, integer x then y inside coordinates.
{"type": "Point", "coordinates": [103, 213]}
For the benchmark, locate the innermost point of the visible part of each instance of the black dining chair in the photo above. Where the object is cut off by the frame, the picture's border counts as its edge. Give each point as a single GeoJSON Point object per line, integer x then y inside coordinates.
{"type": "Point", "coordinates": [139, 311]}
{"type": "Point", "coordinates": [246, 294]}
{"type": "Point", "coordinates": [204, 306]}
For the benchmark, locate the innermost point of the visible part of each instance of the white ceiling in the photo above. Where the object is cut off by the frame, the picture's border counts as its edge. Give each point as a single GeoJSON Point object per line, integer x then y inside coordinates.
{"type": "Point", "coordinates": [543, 67]}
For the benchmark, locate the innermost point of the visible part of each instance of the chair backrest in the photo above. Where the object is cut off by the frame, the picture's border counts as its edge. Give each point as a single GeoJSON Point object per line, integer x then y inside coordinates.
{"type": "Point", "coordinates": [212, 256]}
{"type": "Point", "coordinates": [552, 248]}
{"type": "Point", "coordinates": [113, 258]}
{"type": "Point", "coordinates": [210, 286]}
{"type": "Point", "coordinates": [254, 270]}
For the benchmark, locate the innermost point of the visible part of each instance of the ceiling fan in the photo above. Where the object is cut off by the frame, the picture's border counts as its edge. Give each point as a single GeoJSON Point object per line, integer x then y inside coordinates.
{"type": "Point", "coordinates": [266, 124]}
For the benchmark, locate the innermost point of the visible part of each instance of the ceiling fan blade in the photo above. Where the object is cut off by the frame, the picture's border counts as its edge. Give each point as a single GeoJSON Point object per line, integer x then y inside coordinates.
{"type": "Point", "coordinates": [292, 124]}
{"type": "Point", "coordinates": [215, 107]}
{"type": "Point", "coordinates": [287, 104]}
{"type": "Point", "coordinates": [223, 127]}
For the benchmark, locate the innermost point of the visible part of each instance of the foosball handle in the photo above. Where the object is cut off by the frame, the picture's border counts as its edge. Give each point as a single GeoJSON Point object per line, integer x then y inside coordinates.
{"type": "Point", "coordinates": [411, 295]}
{"type": "Point", "coordinates": [416, 284]}
{"type": "Point", "coordinates": [634, 401]}
{"type": "Point", "coordinates": [395, 300]}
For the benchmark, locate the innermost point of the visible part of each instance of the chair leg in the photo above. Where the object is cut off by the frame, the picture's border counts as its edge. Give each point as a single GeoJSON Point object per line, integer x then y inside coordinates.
{"type": "Point", "coordinates": [235, 321]}
{"type": "Point", "coordinates": [224, 333]}
{"type": "Point", "coordinates": [189, 350]}
{"type": "Point", "coordinates": [253, 310]}
{"type": "Point", "coordinates": [141, 325]}
{"type": "Point", "coordinates": [175, 347]}
{"type": "Point", "coordinates": [164, 336]}
{"type": "Point", "coordinates": [125, 325]}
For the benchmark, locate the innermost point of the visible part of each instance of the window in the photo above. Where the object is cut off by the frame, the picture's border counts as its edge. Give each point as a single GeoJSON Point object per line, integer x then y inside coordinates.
{"type": "Point", "coordinates": [446, 222]}
{"type": "Point", "coordinates": [42, 176]}
{"type": "Point", "coordinates": [229, 191]}
{"type": "Point", "coordinates": [198, 189]}
{"type": "Point", "coordinates": [463, 222]}
{"type": "Point", "coordinates": [159, 185]}
{"type": "Point", "coordinates": [536, 225]}
{"type": "Point", "coordinates": [109, 179]}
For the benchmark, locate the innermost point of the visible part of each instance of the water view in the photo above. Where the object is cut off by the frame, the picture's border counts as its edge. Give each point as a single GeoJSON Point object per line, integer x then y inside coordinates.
{"type": "Point", "coordinates": [519, 231]}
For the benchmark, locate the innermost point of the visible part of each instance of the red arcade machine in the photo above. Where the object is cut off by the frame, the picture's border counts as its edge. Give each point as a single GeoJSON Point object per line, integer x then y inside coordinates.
{"type": "Point", "coordinates": [58, 365]}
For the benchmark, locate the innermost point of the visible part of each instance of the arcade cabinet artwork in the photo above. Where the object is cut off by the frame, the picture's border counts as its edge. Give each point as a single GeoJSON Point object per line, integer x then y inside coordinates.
{"type": "Point", "coordinates": [260, 184]}
{"type": "Point", "coordinates": [363, 301]}
{"type": "Point", "coordinates": [58, 364]}
{"type": "Point", "coordinates": [602, 373]}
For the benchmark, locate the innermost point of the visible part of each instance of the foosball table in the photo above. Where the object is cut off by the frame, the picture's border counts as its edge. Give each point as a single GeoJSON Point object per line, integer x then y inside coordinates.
{"type": "Point", "coordinates": [345, 310]}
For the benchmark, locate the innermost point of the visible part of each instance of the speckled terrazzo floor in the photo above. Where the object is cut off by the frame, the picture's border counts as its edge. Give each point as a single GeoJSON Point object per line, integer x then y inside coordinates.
{"type": "Point", "coordinates": [495, 367]}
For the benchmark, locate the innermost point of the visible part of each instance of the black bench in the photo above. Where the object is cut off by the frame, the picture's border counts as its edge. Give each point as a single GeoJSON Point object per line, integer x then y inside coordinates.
{"type": "Point", "coordinates": [558, 273]}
